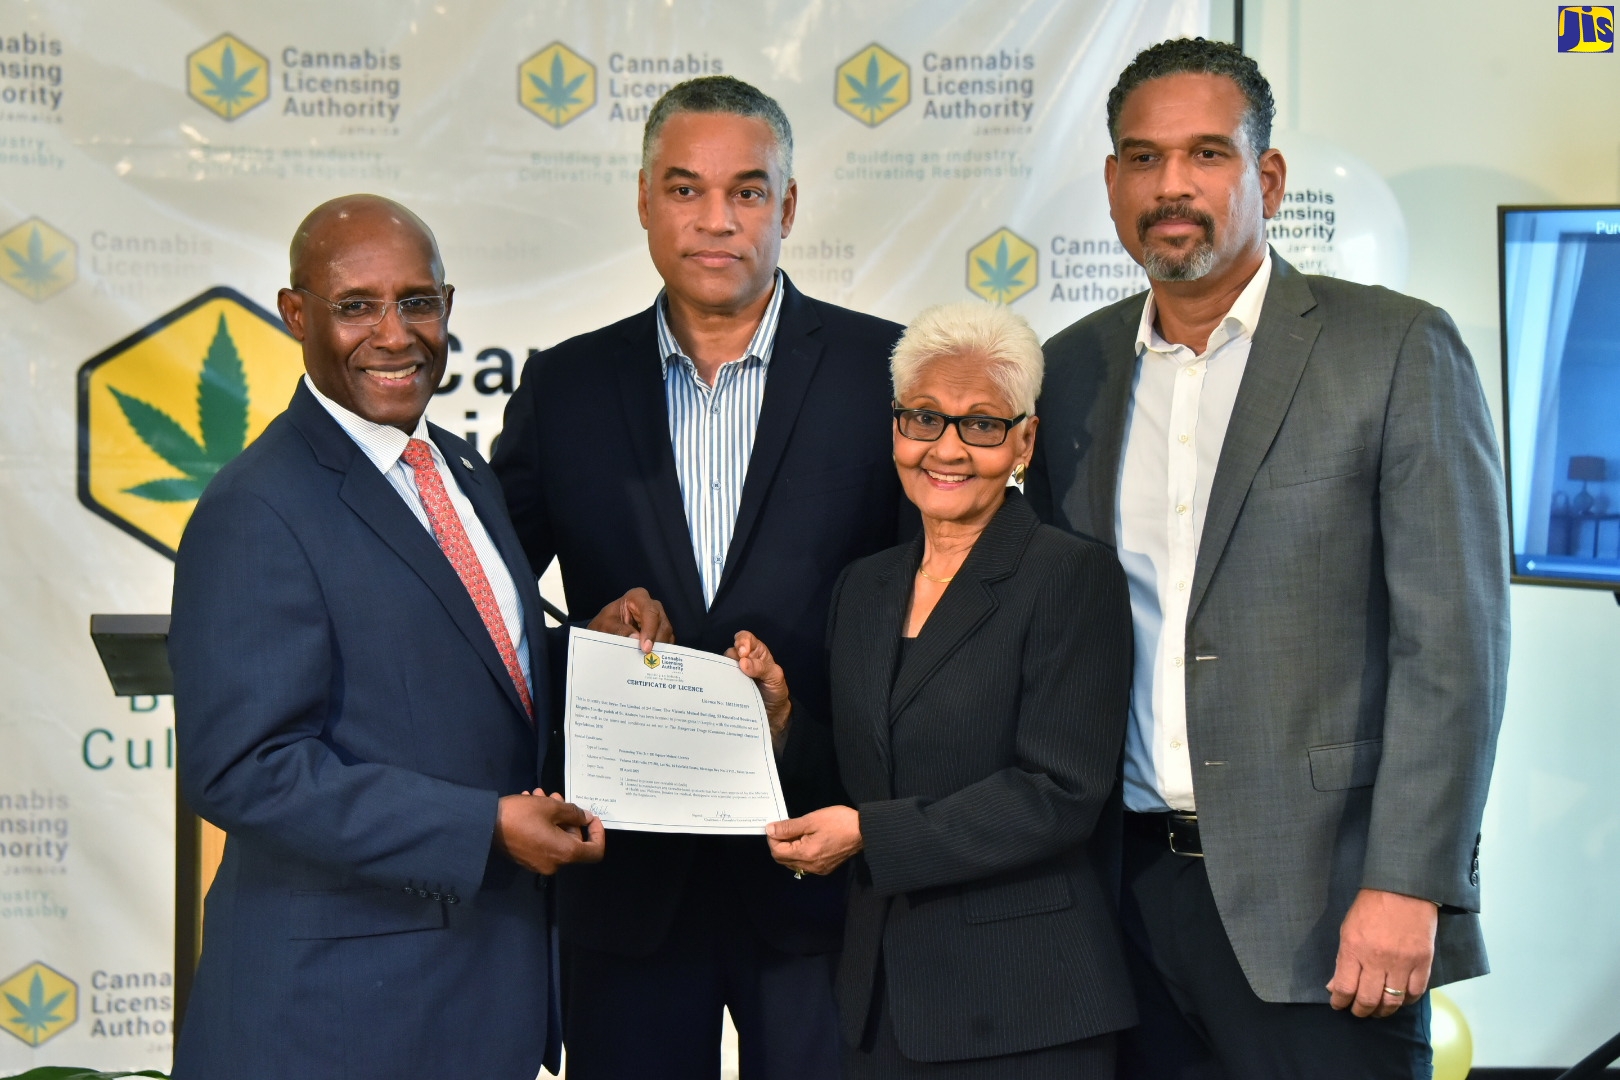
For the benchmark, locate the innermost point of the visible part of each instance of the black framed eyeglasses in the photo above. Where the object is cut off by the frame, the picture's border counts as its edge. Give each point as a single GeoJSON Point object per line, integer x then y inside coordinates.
{"type": "Point", "coordinates": [926, 425]}
{"type": "Point", "coordinates": [359, 311]}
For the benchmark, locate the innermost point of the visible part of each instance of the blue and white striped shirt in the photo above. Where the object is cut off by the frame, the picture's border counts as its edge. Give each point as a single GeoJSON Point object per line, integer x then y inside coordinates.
{"type": "Point", "coordinates": [712, 431]}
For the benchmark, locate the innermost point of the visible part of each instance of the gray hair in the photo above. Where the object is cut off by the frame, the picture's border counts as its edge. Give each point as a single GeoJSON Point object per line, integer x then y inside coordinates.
{"type": "Point", "coordinates": [1001, 338]}
{"type": "Point", "coordinates": [718, 94]}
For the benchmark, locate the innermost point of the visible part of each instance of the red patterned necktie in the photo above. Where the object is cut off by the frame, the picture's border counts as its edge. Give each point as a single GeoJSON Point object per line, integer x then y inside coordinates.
{"type": "Point", "coordinates": [441, 514]}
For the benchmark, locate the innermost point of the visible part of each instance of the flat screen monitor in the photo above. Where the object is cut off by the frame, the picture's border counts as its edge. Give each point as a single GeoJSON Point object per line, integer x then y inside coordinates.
{"type": "Point", "coordinates": [1560, 285]}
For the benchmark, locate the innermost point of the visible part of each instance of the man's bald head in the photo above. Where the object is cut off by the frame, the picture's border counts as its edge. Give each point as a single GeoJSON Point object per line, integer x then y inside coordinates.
{"type": "Point", "coordinates": [330, 227]}
{"type": "Point", "coordinates": [355, 262]}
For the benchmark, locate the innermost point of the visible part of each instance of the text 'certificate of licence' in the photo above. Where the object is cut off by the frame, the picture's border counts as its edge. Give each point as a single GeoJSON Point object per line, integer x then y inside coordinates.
{"type": "Point", "coordinates": [674, 740]}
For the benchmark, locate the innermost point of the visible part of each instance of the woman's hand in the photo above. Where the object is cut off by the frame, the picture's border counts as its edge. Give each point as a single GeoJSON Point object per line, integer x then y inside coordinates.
{"type": "Point", "coordinates": [817, 843]}
{"type": "Point", "coordinates": [758, 664]}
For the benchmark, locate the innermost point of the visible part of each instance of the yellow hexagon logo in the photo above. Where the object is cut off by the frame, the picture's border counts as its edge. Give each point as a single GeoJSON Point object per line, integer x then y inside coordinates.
{"type": "Point", "coordinates": [38, 261]}
{"type": "Point", "coordinates": [1002, 267]}
{"type": "Point", "coordinates": [228, 76]}
{"type": "Point", "coordinates": [557, 84]}
{"type": "Point", "coordinates": [161, 411]}
{"type": "Point", "coordinates": [873, 85]}
{"type": "Point", "coordinates": [39, 1004]}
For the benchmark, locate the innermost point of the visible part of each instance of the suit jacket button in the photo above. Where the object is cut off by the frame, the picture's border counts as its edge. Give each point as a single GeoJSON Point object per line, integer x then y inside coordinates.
{"type": "Point", "coordinates": [409, 891]}
{"type": "Point", "coordinates": [423, 893]}
{"type": "Point", "coordinates": [452, 899]}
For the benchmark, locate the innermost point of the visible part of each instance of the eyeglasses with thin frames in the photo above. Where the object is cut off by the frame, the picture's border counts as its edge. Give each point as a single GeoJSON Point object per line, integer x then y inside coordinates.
{"type": "Point", "coordinates": [926, 425]}
{"type": "Point", "coordinates": [360, 311]}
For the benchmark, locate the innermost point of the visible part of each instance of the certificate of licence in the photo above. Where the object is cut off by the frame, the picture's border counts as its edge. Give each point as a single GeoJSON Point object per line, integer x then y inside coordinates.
{"type": "Point", "coordinates": [675, 740]}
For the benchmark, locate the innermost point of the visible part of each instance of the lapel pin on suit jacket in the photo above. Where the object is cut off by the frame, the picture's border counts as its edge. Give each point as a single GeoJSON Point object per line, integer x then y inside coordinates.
{"type": "Point", "coordinates": [467, 463]}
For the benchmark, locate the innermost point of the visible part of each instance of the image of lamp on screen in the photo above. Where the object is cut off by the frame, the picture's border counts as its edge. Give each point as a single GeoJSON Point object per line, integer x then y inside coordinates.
{"type": "Point", "coordinates": [1561, 391]}
{"type": "Point", "coordinates": [1588, 470]}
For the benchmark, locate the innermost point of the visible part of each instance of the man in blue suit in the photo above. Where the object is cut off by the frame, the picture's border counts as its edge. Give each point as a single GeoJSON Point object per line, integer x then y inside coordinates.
{"type": "Point", "coordinates": [361, 696]}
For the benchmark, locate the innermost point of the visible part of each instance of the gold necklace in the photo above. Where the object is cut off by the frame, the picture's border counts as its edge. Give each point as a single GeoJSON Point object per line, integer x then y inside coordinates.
{"type": "Point", "coordinates": [935, 580]}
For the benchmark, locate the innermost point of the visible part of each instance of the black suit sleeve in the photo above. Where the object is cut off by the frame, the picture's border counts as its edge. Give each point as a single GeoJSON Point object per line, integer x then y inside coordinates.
{"type": "Point", "coordinates": [1038, 484]}
{"type": "Point", "coordinates": [517, 458]}
{"type": "Point", "coordinates": [1075, 670]}
{"type": "Point", "coordinates": [808, 764]}
{"type": "Point", "coordinates": [517, 461]}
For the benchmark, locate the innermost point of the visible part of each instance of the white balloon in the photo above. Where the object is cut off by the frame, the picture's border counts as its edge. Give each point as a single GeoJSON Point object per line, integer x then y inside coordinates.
{"type": "Point", "coordinates": [1338, 216]}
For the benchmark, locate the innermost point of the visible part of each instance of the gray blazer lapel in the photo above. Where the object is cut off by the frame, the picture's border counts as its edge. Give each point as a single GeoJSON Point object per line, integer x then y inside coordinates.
{"type": "Point", "coordinates": [1282, 345]}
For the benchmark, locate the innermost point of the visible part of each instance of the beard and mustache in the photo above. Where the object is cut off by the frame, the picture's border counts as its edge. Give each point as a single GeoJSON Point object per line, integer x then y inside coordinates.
{"type": "Point", "coordinates": [1188, 264]}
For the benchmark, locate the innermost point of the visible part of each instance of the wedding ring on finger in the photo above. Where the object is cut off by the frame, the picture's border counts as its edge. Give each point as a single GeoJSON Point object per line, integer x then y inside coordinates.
{"type": "Point", "coordinates": [1394, 993]}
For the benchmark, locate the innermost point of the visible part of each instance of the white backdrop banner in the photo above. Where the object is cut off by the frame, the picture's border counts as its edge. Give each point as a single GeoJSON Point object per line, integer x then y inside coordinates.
{"type": "Point", "coordinates": [154, 159]}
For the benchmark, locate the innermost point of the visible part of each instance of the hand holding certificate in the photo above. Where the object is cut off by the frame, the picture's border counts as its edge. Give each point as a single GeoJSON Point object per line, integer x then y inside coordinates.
{"type": "Point", "coordinates": [675, 740]}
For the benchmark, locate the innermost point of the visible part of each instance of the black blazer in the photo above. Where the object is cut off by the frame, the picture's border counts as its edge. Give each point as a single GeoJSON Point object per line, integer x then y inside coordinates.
{"type": "Point", "coordinates": [980, 767]}
{"type": "Point", "coordinates": [589, 473]}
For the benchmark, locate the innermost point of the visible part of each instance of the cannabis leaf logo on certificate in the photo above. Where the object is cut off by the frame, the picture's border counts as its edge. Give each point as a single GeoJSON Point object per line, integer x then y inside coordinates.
{"type": "Point", "coordinates": [1001, 280]}
{"type": "Point", "coordinates": [227, 87]}
{"type": "Point", "coordinates": [37, 1013]}
{"type": "Point", "coordinates": [560, 93]}
{"type": "Point", "coordinates": [874, 94]}
{"type": "Point", "coordinates": [222, 412]}
{"type": "Point", "coordinates": [32, 269]}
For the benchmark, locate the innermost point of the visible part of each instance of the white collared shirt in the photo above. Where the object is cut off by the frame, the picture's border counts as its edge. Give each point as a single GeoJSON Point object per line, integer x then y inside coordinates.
{"type": "Point", "coordinates": [711, 429]}
{"type": "Point", "coordinates": [384, 445]}
{"type": "Point", "coordinates": [1181, 403]}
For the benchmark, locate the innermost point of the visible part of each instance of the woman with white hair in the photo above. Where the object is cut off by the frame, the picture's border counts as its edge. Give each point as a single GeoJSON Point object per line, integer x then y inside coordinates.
{"type": "Point", "coordinates": [980, 679]}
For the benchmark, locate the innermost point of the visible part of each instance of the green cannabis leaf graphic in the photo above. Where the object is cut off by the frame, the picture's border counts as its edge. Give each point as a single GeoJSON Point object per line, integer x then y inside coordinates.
{"type": "Point", "coordinates": [32, 268]}
{"type": "Point", "coordinates": [1002, 279]}
{"type": "Point", "coordinates": [222, 412]}
{"type": "Point", "coordinates": [36, 1014]}
{"type": "Point", "coordinates": [558, 95]}
{"type": "Point", "coordinates": [872, 96]}
{"type": "Point", "coordinates": [225, 85]}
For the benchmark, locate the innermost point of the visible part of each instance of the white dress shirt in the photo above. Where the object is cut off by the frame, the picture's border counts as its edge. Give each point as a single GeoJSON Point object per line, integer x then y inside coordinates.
{"type": "Point", "coordinates": [1181, 403]}
{"type": "Point", "coordinates": [712, 431]}
{"type": "Point", "coordinates": [385, 446]}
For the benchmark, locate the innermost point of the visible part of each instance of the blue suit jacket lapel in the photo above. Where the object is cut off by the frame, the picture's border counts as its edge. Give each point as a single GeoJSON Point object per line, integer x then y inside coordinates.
{"type": "Point", "coordinates": [371, 497]}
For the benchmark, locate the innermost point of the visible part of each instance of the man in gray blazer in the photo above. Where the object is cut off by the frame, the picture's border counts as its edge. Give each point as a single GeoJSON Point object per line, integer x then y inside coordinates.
{"type": "Point", "coordinates": [1301, 480]}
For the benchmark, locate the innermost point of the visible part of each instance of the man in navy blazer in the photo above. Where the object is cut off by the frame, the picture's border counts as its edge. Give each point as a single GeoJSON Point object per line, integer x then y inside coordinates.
{"type": "Point", "coordinates": [362, 703]}
{"type": "Point", "coordinates": [728, 450]}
